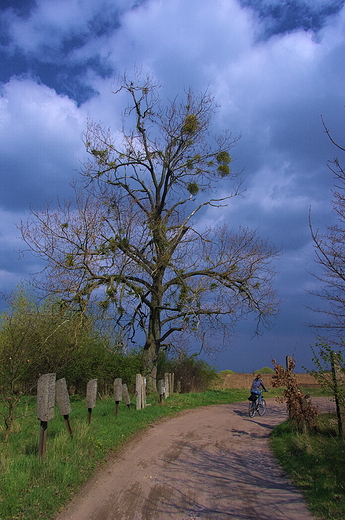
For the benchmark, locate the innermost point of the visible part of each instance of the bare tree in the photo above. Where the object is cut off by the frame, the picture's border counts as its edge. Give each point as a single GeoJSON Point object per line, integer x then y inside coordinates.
{"type": "Point", "coordinates": [131, 241]}
{"type": "Point", "coordinates": [330, 256]}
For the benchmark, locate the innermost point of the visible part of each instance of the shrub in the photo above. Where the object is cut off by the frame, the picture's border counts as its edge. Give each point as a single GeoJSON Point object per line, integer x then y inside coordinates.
{"type": "Point", "coordinates": [191, 374]}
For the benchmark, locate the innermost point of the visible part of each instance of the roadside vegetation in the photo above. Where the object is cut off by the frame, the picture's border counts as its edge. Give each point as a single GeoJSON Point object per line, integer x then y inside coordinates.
{"type": "Point", "coordinates": [315, 462]}
{"type": "Point", "coordinates": [31, 488]}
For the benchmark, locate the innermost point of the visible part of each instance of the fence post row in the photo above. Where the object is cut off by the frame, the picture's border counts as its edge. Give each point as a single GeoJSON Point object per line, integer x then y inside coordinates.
{"type": "Point", "coordinates": [49, 390]}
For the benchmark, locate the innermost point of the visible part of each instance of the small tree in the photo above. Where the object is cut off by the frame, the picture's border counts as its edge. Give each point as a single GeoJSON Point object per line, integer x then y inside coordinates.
{"type": "Point", "coordinates": [330, 374]}
{"type": "Point", "coordinates": [330, 256]}
{"type": "Point", "coordinates": [131, 241]}
{"type": "Point", "coordinates": [34, 339]}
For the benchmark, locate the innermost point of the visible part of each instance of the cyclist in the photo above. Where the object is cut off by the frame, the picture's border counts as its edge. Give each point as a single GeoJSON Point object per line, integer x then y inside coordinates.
{"type": "Point", "coordinates": [255, 389]}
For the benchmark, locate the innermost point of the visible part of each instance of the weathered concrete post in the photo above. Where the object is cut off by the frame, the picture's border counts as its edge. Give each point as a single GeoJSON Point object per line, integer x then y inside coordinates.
{"type": "Point", "coordinates": [62, 400]}
{"type": "Point", "coordinates": [171, 385]}
{"type": "Point", "coordinates": [166, 385]}
{"type": "Point", "coordinates": [117, 393]}
{"type": "Point", "coordinates": [143, 393]}
{"type": "Point", "coordinates": [138, 391]}
{"type": "Point", "coordinates": [45, 407]}
{"type": "Point", "coordinates": [91, 396]}
{"type": "Point", "coordinates": [161, 390]}
{"type": "Point", "coordinates": [126, 397]}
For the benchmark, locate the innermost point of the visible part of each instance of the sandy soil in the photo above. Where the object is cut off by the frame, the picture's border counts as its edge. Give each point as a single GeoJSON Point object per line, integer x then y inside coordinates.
{"type": "Point", "coordinates": [209, 463]}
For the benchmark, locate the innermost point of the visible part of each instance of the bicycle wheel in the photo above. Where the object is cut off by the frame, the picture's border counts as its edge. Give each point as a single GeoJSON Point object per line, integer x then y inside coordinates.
{"type": "Point", "coordinates": [262, 407]}
{"type": "Point", "coordinates": [252, 408]}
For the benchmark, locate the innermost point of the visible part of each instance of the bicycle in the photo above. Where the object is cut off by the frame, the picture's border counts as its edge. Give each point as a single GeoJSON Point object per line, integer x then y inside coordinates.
{"type": "Point", "coordinates": [255, 407]}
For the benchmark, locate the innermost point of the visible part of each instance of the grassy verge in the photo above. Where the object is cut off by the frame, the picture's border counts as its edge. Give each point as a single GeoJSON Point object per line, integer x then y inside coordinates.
{"type": "Point", "coordinates": [315, 462]}
{"type": "Point", "coordinates": [36, 489]}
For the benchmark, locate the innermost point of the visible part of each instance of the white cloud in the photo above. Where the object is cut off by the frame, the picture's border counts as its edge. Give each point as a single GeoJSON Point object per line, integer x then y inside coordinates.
{"type": "Point", "coordinates": [40, 142]}
{"type": "Point", "coordinates": [53, 21]}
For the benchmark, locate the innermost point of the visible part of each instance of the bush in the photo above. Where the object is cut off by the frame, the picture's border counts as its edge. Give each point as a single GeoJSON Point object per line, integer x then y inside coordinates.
{"type": "Point", "coordinates": [191, 374]}
{"type": "Point", "coordinates": [264, 370]}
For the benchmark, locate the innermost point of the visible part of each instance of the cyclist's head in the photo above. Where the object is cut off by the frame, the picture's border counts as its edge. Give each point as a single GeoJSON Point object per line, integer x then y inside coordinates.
{"type": "Point", "coordinates": [258, 376]}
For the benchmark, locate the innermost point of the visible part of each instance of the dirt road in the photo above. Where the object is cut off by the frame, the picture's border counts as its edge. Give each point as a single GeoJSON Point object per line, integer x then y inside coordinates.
{"type": "Point", "coordinates": [212, 463]}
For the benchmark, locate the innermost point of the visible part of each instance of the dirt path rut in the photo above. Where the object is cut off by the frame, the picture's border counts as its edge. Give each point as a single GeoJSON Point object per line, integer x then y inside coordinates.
{"type": "Point", "coordinates": [211, 463]}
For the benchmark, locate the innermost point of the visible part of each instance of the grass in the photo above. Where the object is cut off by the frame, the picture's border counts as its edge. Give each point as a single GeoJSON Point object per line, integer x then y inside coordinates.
{"type": "Point", "coordinates": [33, 489]}
{"type": "Point", "coordinates": [315, 462]}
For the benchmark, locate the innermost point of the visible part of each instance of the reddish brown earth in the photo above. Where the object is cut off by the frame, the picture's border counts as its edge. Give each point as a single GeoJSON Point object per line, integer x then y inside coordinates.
{"type": "Point", "coordinates": [210, 463]}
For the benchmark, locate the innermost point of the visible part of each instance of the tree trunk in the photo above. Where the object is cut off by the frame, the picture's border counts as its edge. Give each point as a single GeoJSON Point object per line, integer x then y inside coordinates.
{"type": "Point", "coordinates": [150, 357]}
{"type": "Point", "coordinates": [152, 346]}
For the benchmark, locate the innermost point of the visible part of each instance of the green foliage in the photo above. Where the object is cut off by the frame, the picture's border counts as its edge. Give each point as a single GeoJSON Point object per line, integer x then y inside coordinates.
{"type": "Point", "coordinates": [223, 159]}
{"type": "Point", "coordinates": [223, 170]}
{"type": "Point", "coordinates": [225, 372]}
{"type": "Point", "coordinates": [192, 374]}
{"type": "Point", "coordinates": [323, 361]}
{"type": "Point", "coordinates": [191, 124]}
{"type": "Point", "coordinates": [49, 337]}
{"type": "Point", "coordinates": [193, 188]}
{"type": "Point", "coordinates": [264, 370]}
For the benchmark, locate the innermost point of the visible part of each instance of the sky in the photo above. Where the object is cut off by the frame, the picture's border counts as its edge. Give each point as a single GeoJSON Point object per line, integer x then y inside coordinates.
{"type": "Point", "coordinates": [273, 66]}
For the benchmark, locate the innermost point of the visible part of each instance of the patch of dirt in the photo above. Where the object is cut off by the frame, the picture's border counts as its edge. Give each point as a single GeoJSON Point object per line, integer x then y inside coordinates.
{"type": "Point", "coordinates": [212, 463]}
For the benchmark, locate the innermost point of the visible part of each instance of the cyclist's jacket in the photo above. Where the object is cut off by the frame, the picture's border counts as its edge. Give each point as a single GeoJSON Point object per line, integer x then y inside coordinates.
{"type": "Point", "coordinates": [256, 385]}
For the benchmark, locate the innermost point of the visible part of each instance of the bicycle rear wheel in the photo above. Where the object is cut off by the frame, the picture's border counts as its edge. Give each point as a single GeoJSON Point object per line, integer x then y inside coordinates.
{"type": "Point", "coordinates": [252, 408]}
{"type": "Point", "coordinates": [262, 407]}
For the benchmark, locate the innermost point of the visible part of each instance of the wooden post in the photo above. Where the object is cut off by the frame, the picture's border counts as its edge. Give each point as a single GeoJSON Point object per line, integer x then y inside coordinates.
{"type": "Point", "coordinates": [288, 370]}
{"type": "Point", "coordinates": [63, 403]}
{"type": "Point", "coordinates": [337, 381]}
{"type": "Point", "coordinates": [45, 407]}
{"type": "Point", "coordinates": [126, 397]}
{"type": "Point", "coordinates": [91, 396]}
{"type": "Point", "coordinates": [117, 394]}
{"type": "Point", "coordinates": [138, 391]}
{"type": "Point", "coordinates": [43, 439]}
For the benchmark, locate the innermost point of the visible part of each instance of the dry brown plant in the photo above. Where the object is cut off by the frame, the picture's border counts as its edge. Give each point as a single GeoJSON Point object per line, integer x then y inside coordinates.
{"type": "Point", "coordinates": [301, 411]}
